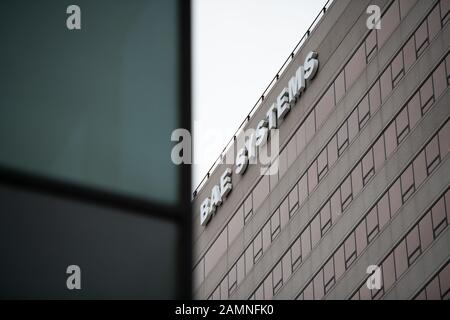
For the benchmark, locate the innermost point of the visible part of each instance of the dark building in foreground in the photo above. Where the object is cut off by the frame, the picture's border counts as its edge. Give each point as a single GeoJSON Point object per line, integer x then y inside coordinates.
{"type": "Point", "coordinates": [363, 173]}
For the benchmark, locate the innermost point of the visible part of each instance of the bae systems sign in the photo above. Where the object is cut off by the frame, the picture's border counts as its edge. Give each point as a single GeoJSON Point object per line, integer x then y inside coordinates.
{"type": "Point", "coordinates": [277, 112]}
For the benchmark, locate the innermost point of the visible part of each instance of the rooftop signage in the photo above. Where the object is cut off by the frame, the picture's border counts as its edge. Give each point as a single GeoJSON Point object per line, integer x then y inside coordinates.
{"type": "Point", "coordinates": [286, 100]}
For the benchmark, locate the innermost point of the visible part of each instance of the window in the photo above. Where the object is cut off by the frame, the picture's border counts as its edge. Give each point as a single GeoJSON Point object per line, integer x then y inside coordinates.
{"type": "Point", "coordinates": [350, 250]}
{"type": "Point", "coordinates": [336, 208]}
{"type": "Point", "coordinates": [324, 106]}
{"type": "Point", "coordinates": [318, 286]}
{"type": "Point", "coordinates": [390, 137]}
{"type": "Point", "coordinates": [375, 97]}
{"type": "Point", "coordinates": [390, 20]}
{"type": "Point", "coordinates": [277, 278]}
{"type": "Point", "coordinates": [300, 137]}
{"type": "Point", "coordinates": [357, 182]}
{"type": "Point", "coordinates": [257, 247]}
{"type": "Point", "coordinates": [395, 197]}
{"type": "Point", "coordinates": [426, 231]}
{"type": "Point", "coordinates": [346, 192]}
{"type": "Point", "coordinates": [322, 163]}
{"type": "Point", "coordinates": [240, 266]}
{"type": "Point", "coordinates": [232, 280]}
{"type": "Point", "coordinates": [355, 66]}
{"type": "Point", "coordinates": [432, 154]}
{"type": "Point", "coordinates": [268, 288]}
{"type": "Point", "coordinates": [224, 288]}
{"type": "Point", "coordinates": [339, 262]}
{"type": "Point", "coordinates": [325, 218]}
{"type": "Point", "coordinates": [302, 189]}
{"type": "Point", "coordinates": [444, 138]}
{"type": "Point", "coordinates": [308, 293]}
{"type": "Point", "coordinates": [235, 225]}
{"type": "Point", "coordinates": [296, 254]}
{"type": "Point", "coordinates": [342, 138]}
{"type": "Point", "coordinates": [438, 217]}
{"type": "Point", "coordinates": [414, 110]}
{"type": "Point", "coordinates": [315, 231]}
{"type": "Point", "coordinates": [282, 163]}
{"type": "Point", "coordinates": [401, 258]}
{"type": "Point", "coordinates": [286, 264]}
{"type": "Point", "coordinates": [361, 237]}
{"type": "Point", "coordinates": [413, 245]}
{"type": "Point", "coordinates": [372, 224]}
{"type": "Point", "coordinates": [266, 235]}
{"type": "Point", "coordinates": [249, 258]}
{"type": "Point", "coordinates": [248, 208]}
{"type": "Point", "coordinates": [439, 80]}
{"type": "Point", "coordinates": [339, 86]}
{"type": "Point", "coordinates": [367, 166]}
{"type": "Point", "coordinates": [275, 224]}
{"type": "Point", "coordinates": [378, 153]}
{"type": "Point", "coordinates": [402, 125]}
{"type": "Point", "coordinates": [363, 111]}
{"type": "Point", "coordinates": [291, 152]}
{"type": "Point", "coordinates": [353, 126]}
{"type": "Point", "coordinates": [216, 251]}
{"type": "Point", "coordinates": [371, 45]}
{"type": "Point", "coordinates": [397, 68]}
{"type": "Point", "coordinates": [386, 84]}
{"type": "Point", "coordinates": [293, 199]}
{"type": "Point", "coordinates": [388, 272]}
{"type": "Point", "coordinates": [310, 127]}
{"type": "Point", "coordinates": [434, 22]}
{"type": "Point", "coordinates": [409, 54]}
{"type": "Point", "coordinates": [284, 213]}
{"type": "Point", "coordinates": [421, 37]}
{"type": "Point", "coordinates": [328, 275]}
{"type": "Point", "coordinates": [312, 176]}
{"type": "Point", "coordinates": [332, 151]}
{"type": "Point", "coordinates": [426, 95]}
{"type": "Point", "coordinates": [306, 242]}
{"type": "Point", "coordinates": [384, 213]}
{"type": "Point", "coordinates": [407, 183]}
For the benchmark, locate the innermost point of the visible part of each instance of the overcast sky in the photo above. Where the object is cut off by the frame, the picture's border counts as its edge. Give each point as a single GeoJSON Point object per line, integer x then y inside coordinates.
{"type": "Point", "coordinates": [238, 46]}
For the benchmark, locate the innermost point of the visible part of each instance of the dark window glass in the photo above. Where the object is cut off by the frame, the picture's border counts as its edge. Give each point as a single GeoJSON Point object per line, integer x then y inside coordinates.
{"type": "Point", "coordinates": [322, 163]}
{"type": "Point", "coordinates": [390, 138]}
{"type": "Point", "coordinates": [421, 37]}
{"type": "Point", "coordinates": [397, 68]}
{"type": "Point", "coordinates": [346, 193]}
{"type": "Point", "coordinates": [372, 224]}
{"type": "Point", "coordinates": [339, 86]}
{"type": "Point", "coordinates": [386, 84]}
{"type": "Point", "coordinates": [312, 176]}
{"type": "Point", "coordinates": [388, 272]}
{"type": "Point", "coordinates": [409, 53]}
{"type": "Point", "coordinates": [413, 245]}
{"type": "Point", "coordinates": [328, 275]}
{"type": "Point", "coordinates": [375, 97]}
{"type": "Point", "coordinates": [426, 231]}
{"type": "Point", "coordinates": [306, 242]}
{"type": "Point", "coordinates": [426, 95]}
{"type": "Point", "coordinates": [407, 183]}
{"type": "Point", "coordinates": [368, 166]}
{"type": "Point", "coordinates": [315, 231]}
{"type": "Point", "coordinates": [384, 213]}
{"type": "Point", "coordinates": [401, 258]}
{"type": "Point", "coordinates": [402, 125]}
{"type": "Point", "coordinates": [355, 66]}
{"type": "Point", "coordinates": [332, 151]}
{"type": "Point", "coordinates": [379, 152]}
{"type": "Point", "coordinates": [432, 154]}
{"type": "Point", "coordinates": [342, 138]}
{"type": "Point", "coordinates": [361, 237]}
{"type": "Point", "coordinates": [438, 217]}
{"type": "Point", "coordinates": [318, 286]}
{"type": "Point", "coordinates": [395, 197]}
{"type": "Point", "coordinates": [350, 250]}
{"type": "Point", "coordinates": [357, 182]}
{"type": "Point", "coordinates": [324, 106]}
{"type": "Point", "coordinates": [414, 110]}
{"type": "Point", "coordinates": [389, 20]}
{"type": "Point", "coordinates": [363, 111]}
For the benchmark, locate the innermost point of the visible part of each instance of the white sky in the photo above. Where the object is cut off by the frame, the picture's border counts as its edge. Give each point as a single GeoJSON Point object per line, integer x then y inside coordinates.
{"type": "Point", "coordinates": [238, 46]}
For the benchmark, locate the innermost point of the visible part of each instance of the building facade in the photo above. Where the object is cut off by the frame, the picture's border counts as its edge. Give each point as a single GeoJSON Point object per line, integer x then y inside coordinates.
{"type": "Point", "coordinates": [363, 170]}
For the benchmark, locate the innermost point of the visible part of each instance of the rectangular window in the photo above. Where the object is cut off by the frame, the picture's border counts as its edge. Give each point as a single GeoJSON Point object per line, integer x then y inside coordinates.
{"type": "Point", "coordinates": [409, 53]}
{"type": "Point", "coordinates": [328, 275]}
{"type": "Point", "coordinates": [368, 169]}
{"type": "Point", "coordinates": [318, 286]}
{"type": "Point", "coordinates": [401, 258]}
{"type": "Point", "coordinates": [325, 218]}
{"type": "Point", "coordinates": [232, 280]}
{"type": "Point", "coordinates": [350, 250]}
{"type": "Point", "coordinates": [379, 154]}
{"type": "Point", "coordinates": [346, 193]}
{"type": "Point", "coordinates": [310, 126]}
{"type": "Point", "coordinates": [375, 97]}
{"type": "Point", "coordinates": [291, 152]}
{"type": "Point", "coordinates": [414, 110]}
{"type": "Point", "coordinates": [402, 125]}
{"type": "Point", "coordinates": [235, 225]}
{"type": "Point", "coordinates": [426, 231]}
{"type": "Point", "coordinates": [322, 163]}
{"type": "Point", "coordinates": [363, 111]}
{"type": "Point", "coordinates": [413, 245]}
{"type": "Point", "coordinates": [286, 264]}
{"type": "Point", "coordinates": [302, 189]}
{"type": "Point", "coordinates": [395, 197]}
{"type": "Point", "coordinates": [386, 83]}
{"type": "Point", "coordinates": [332, 151]}
{"type": "Point", "coordinates": [257, 247]}
{"type": "Point", "coordinates": [342, 138]}
{"type": "Point", "coordinates": [339, 262]}
{"type": "Point", "coordinates": [421, 37]}
{"type": "Point", "coordinates": [361, 237]}
{"type": "Point", "coordinates": [312, 177]}
{"type": "Point", "coordinates": [353, 126]}
{"type": "Point", "coordinates": [275, 224]}
{"type": "Point", "coordinates": [357, 181]}
{"type": "Point", "coordinates": [434, 22]}
{"type": "Point", "coordinates": [438, 217]}
{"type": "Point", "coordinates": [384, 213]}
{"type": "Point", "coordinates": [284, 213]}
{"type": "Point", "coordinates": [371, 45]}
{"type": "Point", "coordinates": [407, 183]}
{"type": "Point", "coordinates": [240, 266]}
{"type": "Point", "coordinates": [293, 199]}
{"type": "Point", "coordinates": [248, 208]}
{"type": "Point", "coordinates": [268, 288]}
{"type": "Point", "coordinates": [266, 235]}
{"type": "Point", "coordinates": [426, 95]}
{"type": "Point", "coordinates": [372, 224]}
{"type": "Point", "coordinates": [388, 272]}
{"type": "Point", "coordinates": [336, 208]}
{"type": "Point", "coordinates": [277, 278]}
{"type": "Point", "coordinates": [355, 66]}
{"type": "Point", "coordinates": [339, 86]}
{"type": "Point", "coordinates": [397, 68]}
{"type": "Point", "coordinates": [390, 20]}
{"type": "Point", "coordinates": [439, 80]}
{"type": "Point", "coordinates": [324, 106]}
{"type": "Point", "coordinates": [296, 254]}
{"type": "Point", "coordinates": [390, 138]}
{"type": "Point", "coordinates": [315, 231]}
{"type": "Point", "coordinates": [432, 154]}
{"type": "Point", "coordinates": [306, 242]}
